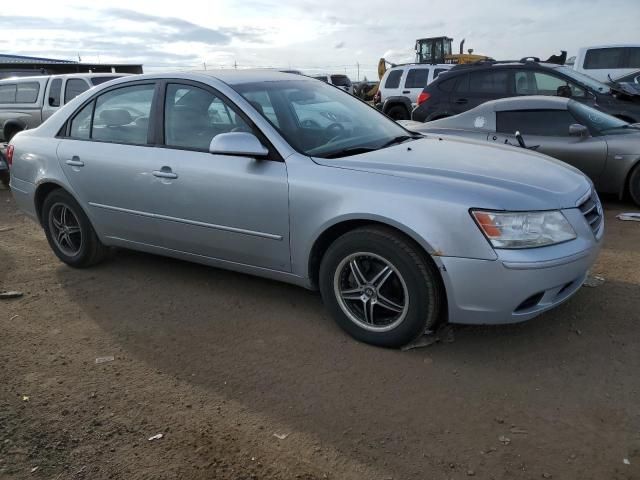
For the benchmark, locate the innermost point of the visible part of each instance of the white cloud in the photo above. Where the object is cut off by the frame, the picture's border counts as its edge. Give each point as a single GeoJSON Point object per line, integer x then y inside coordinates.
{"type": "Point", "coordinates": [305, 33]}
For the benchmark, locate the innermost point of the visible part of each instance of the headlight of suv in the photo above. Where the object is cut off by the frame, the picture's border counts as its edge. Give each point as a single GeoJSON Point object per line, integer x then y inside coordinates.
{"type": "Point", "coordinates": [524, 229]}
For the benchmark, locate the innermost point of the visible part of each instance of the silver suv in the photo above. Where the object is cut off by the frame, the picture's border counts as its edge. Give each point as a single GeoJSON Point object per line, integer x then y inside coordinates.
{"type": "Point", "coordinates": [401, 85]}
{"type": "Point", "coordinates": [26, 102]}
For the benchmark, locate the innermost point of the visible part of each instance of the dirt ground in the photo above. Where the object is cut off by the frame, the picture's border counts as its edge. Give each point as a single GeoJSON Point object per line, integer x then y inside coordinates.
{"type": "Point", "coordinates": [220, 363]}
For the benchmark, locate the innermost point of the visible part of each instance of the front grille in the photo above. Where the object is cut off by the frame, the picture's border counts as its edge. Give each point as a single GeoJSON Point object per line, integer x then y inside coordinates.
{"type": "Point", "coordinates": [591, 208]}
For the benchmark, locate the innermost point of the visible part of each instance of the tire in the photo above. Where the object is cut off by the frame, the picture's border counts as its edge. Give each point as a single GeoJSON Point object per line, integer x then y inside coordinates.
{"type": "Point", "coordinates": [398, 112]}
{"type": "Point", "coordinates": [413, 288]}
{"type": "Point", "coordinates": [634, 185]}
{"type": "Point", "coordinates": [87, 249]}
{"type": "Point", "coordinates": [10, 133]}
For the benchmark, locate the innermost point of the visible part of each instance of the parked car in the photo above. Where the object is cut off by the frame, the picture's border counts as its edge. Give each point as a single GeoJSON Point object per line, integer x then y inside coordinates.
{"type": "Point", "coordinates": [603, 147]}
{"type": "Point", "coordinates": [467, 86]}
{"type": "Point", "coordinates": [26, 102]}
{"type": "Point", "coordinates": [607, 61]}
{"type": "Point", "coordinates": [400, 86]}
{"type": "Point", "coordinates": [337, 79]}
{"type": "Point", "coordinates": [629, 82]}
{"type": "Point", "coordinates": [365, 90]}
{"type": "Point", "coordinates": [397, 231]}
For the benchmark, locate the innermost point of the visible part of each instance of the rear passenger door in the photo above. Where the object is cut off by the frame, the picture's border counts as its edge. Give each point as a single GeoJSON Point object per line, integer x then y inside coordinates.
{"type": "Point", "coordinates": [476, 88]}
{"type": "Point", "coordinates": [106, 157]}
{"type": "Point", "coordinates": [415, 80]}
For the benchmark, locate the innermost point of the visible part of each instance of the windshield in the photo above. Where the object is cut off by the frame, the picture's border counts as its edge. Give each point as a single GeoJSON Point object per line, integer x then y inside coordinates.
{"type": "Point", "coordinates": [586, 80]}
{"type": "Point", "coordinates": [595, 120]}
{"type": "Point", "coordinates": [320, 120]}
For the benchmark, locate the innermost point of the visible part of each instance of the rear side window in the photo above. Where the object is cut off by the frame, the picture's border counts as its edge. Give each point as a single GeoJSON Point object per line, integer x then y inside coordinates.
{"type": "Point", "coordinates": [75, 87]}
{"type": "Point", "coordinates": [463, 84]}
{"type": "Point", "coordinates": [393, 80]}
{"type": "Point", "coordinates": [8, 93]}
{"type": "Point", "coordinates": [340, 80]}
{"type": "Point", "coordinates": [417, 78]}
{"type": "Point", "coordinates": [447, 85]}
{"type": "Point", "coordinates": [438, 71]}
{"type": "Point", "coordinates": [551, 123]}
{"type": "Point", "coordinates": [122, 115]}
{"type": "Point", "coordinates": [491, 82]}
{"type": "Point", "coordinates": [27, 92]}
{"type": "Point", "coordinates": [54, 92]}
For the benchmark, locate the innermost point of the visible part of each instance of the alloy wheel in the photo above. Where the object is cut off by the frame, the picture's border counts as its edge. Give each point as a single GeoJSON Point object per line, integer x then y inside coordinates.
{"type": "Point", "coordinates": [65, 229]}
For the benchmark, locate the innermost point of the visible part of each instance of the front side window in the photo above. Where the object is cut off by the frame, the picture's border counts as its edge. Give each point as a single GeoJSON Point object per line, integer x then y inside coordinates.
{"type": "Point", "coordinates": [74, 87]}
{"type": "Point", "coordinates": [54, 92]}
{"type": "Point", "coordinates": [81, 123]}
{"type": "Point", "coordinates": [122, 115]}
{"type": "Point", "coordinates": [27, 92]}
{"type": "Point", "coordinates": [8, 93]}
{"type": "Point", "coordinates": [193, 116]}
{"type": "Point", "coordinates": [417, 78]}
{"type": "Point", "coordinates": [393, 80]}
{"type": "Point", "coordinates": [599, 123]}
{"type": "Point", "coordinates": [489, 82]}
{"type": "Point", "coordinates": [551, 123]}
{"type": "Point", "coordinates": [539, 83]}
{"type": "Point", "coordinates": [633, 58]}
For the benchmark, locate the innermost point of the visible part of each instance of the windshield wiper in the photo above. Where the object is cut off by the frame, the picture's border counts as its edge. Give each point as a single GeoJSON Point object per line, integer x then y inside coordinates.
{"type": "Point", "coordinates": [399, 139]}
{"type": "Point", "coordinates": [345, 152]}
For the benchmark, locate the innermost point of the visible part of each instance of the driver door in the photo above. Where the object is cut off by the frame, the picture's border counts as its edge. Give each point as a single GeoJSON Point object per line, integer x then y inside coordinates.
{"type": "Point", "coordinates": [547, 132]}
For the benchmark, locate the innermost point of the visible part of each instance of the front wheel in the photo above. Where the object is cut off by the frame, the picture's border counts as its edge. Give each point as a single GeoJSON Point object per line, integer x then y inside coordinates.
{"type": "Point", "coordinates": [380, 287]}
{"type": "Point", "coordinates": [634, 185]}
{"type": "Point", "coordinates": [69, 231]}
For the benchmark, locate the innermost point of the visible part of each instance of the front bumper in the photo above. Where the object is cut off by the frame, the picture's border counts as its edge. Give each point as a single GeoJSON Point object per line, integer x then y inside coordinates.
{"type": "Point", "coordinates": [520, 284]}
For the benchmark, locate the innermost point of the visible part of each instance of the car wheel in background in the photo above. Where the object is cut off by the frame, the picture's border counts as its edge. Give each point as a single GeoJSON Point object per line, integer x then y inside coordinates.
{"type": "Point", "coordinates": [69, 232]}
{"type": "Point", "coordinates": [5, 178]}
{"type": "Point", "coordinates": [398, 112]}
{"type": "Point", "coordinates": [380, 287]}
{"type": "Point", "coordinates": [634, 184]}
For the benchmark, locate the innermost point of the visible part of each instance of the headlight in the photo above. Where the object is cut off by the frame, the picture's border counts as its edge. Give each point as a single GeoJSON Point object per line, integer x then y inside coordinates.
{"type": "Point", "coordinates": [524, 229]}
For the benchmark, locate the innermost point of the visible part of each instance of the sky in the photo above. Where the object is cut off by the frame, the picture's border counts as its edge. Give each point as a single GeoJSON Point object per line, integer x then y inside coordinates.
{"type": "Point", "coordinates": [315, 36]}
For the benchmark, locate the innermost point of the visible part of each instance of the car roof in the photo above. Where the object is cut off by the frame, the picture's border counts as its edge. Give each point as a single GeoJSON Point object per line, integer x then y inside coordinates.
{"type": "Point", "coordinates": [529, 102]}
{"type": "Point", "coordinates": [66, 75]}
{"type": "Point", "coordinates": [237, 77]}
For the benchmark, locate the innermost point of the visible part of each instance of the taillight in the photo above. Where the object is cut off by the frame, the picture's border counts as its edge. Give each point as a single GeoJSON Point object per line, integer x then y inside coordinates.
{"type": "Point", "coordinates": [9, 154]}
{"type": "Point", "coordinates": [423, 97]}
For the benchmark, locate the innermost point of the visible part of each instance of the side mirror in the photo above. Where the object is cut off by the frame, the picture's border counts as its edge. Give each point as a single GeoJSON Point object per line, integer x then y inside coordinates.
{"type": "Point", "coordinates": [564, 91]}
{"type": "Point", "coordinates": [238, 143]}
{"type": "Point", "coordinates": [577, 130]}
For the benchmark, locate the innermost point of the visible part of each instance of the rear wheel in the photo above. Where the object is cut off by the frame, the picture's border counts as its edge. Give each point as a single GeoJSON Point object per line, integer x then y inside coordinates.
{"type": "Point", "coordinates": [69, 232]}
{"type": "Point", "coordinates": [634, 184]}
{"type": "Point", "coordinates": [380, 287]}
{"type": "Point", "coordinates": [398, 112]}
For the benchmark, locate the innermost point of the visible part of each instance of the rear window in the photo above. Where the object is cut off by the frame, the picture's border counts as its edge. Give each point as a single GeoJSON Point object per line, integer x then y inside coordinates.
{"type": "Point", "coordinates": [8, 93]}
{"type": "Point", "coordinates": [617, 57]}
{"type": "Point", "coordinates": [27, 92]}
{"type": "Point", "coordinates": [98, 80]}
{"type": "Point", "coordinates": [393, 80]}
{"type": "Point", "coordinates": [417, 78]}
{"type": "Point", "coordinates": [340, 80]}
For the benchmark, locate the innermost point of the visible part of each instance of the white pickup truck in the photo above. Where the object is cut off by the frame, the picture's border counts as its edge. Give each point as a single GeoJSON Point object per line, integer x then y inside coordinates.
{"type": "Point", "coordinates": [26, 102]}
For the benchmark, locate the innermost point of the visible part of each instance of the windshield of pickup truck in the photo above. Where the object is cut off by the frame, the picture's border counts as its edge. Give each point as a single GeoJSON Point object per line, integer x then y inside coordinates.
{"type": "Point", "coordinates": [320, 120]}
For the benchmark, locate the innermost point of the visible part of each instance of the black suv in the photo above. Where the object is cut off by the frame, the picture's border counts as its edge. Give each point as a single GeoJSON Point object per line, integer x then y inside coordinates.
{"type": "Point", "coordinates": [467, 86]}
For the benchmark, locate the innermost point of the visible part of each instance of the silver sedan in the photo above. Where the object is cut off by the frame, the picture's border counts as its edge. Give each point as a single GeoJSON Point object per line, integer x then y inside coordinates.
{"type": "Point", "coordinates": [288, 178]}
{"type": "Point", "coordinates": [604, 147]}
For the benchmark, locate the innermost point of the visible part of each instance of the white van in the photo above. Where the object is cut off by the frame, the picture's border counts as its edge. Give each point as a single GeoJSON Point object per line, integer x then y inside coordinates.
{"type": "Point", "coordinates": [608, 60]}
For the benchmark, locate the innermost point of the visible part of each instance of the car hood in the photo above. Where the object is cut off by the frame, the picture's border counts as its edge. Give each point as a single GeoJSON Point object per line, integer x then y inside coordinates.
{"type": "Point", "coordinates": [489, 176]}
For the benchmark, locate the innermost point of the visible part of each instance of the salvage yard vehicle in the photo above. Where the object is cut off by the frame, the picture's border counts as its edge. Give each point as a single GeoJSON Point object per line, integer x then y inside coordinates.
{"type": "Point", "coordinates": [26, 102]}
{"type": "Point", "coordinates": [339, 80]}
{"type": "Point", "coordinates": [603, 147]}
{"type": "Point", "coordinates": [400, 86]}
{"type": "Point", "coordinates": [467, 86]}
{"type": "Point", "coordinates": [604, 62]}
{"type": "Point", "coordinates": [398, 231]}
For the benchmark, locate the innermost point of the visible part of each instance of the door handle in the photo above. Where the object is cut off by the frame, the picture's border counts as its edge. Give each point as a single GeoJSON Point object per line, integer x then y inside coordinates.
{"type": "Point", "coordinates": [165, 172]}
{"type": "Point", "coordinates": [462, 101]}
{"type": "Point", "coordinates": [406, 91]}
{"type": "Point", "coordinates": [75, 162]}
